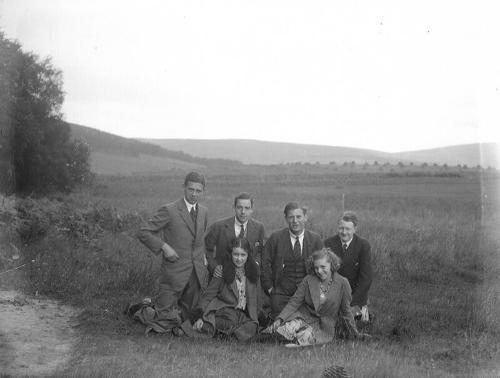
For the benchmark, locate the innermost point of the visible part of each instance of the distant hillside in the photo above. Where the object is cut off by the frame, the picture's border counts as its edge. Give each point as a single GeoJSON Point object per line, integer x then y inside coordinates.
{"type": "Point", "coordinates": [113, 154]}
{"type": "Point", "coordinates": [265, 153]}
{"type": "Point", "coordinates": [260, 152]}
{"type": "Point", "coordinates": [484, 154]}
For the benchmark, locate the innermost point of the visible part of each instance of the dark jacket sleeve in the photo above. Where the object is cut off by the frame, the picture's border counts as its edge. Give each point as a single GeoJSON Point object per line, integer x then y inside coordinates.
{"type": "Point", "coordinates": [345, 310]}
{"type": "Point", "coordinates": [329, 243]}
{"type": "Point", "coordinates": [267, 263]}
{"type": "Point", "coordinates": [210, 242]}
{"type": "Point", "coordinates": [318, 244]}
{"type": "Point", "coordinates": [149, 231]}
{"type": "Point", "coordinates": [364, 281]}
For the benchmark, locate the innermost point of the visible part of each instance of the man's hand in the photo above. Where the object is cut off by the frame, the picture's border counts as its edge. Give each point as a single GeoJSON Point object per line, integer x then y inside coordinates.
{"type": "Point", "coordinates": [198, 325]}
{"type": "Point", "coordinates": [356, 312]}
{"type": "Point", "coordinates": [218, 271]}
{"type": "Point", "coordinates": [169, 253]}
{"type": "Point", "coordinates": [365, 317]}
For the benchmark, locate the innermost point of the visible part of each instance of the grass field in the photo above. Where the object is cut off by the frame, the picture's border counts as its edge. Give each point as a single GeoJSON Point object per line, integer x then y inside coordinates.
{"type": "Point", "coordinates": [435, 245]}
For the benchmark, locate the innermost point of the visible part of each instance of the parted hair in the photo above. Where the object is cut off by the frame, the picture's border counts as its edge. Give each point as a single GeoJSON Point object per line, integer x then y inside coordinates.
{"type": "Point", "coordinates": [195, 177]}
{"type": "Point", "coordinates": [332, 258]}
{"type": "Point", "coordinates": [251, 267]}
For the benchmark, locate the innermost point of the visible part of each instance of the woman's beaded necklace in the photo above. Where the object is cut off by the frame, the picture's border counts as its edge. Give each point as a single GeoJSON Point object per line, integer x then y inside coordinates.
{"type": "Point", "coordinates": [324, 290]}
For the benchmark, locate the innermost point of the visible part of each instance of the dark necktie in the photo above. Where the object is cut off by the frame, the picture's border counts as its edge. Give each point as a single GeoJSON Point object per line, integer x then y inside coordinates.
{"type": "Point", "coordinates": [193, 215]}
{"type": "Point", "coordinates": [344, 248]}
{"type": "Point", "coordinates": [296, 248]}
{"type": "Point", "coordinates": [242, 232]}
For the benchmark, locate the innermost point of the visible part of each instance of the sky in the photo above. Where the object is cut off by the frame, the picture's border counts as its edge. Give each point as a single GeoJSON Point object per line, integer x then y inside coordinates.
{"type": "Point", "coordinates": [385, 75]}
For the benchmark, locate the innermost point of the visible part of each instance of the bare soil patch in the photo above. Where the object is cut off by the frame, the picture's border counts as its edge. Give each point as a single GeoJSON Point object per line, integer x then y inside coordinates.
{"type": "Point", "coordinates": [36, 335]}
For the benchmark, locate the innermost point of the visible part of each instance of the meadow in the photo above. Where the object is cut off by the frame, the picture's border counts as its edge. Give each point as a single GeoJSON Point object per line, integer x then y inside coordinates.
{"type": "Point", "coordinates": [435, 296]}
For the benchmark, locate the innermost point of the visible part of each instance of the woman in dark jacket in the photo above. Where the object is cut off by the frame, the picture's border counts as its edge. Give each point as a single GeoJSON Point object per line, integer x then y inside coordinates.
{"type": "Point", "coordinates": [230, 304]}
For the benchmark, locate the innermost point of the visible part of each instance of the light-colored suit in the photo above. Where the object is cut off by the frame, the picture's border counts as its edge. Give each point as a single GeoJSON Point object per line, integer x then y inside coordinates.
{"type": "Point", "coordinates": [305, 304]}
{"type": "Point", "coordinates": [173, 224]}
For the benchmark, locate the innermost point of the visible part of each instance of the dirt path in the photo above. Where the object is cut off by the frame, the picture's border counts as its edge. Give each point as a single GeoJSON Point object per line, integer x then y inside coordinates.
{"type": "Point", "coordinates": [36, 337]}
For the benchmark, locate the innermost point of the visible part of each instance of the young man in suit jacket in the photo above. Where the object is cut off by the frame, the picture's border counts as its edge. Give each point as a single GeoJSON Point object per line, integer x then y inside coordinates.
{"type": "Point", "coordinates": [285, 255]}
{"type": "Point", "coordinates": [176, 232]}
{"type": "Point", "coordinates": [241, 225]}
{"type": "Point", "coordinates": [356, 266]}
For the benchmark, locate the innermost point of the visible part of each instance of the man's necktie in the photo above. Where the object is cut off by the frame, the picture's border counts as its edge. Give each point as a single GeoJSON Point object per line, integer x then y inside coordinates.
{"type": "Point", "coordinates": [242, 232]}
{"type": "Point", "coordinates": [296, 248]}
{"type": "Point", "coordinates": [344, 247]}
{"type": "Point", "coordinates": [193, 214]}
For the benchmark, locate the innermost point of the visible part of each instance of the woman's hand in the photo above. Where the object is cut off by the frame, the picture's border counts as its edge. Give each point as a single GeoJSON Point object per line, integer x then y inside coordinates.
{"type": "Point", "coordinates": [198, 325]}
{"type": "Point", "coordinates": [218, 271]}
{"type": "Point", "coordinates": [278, 322]}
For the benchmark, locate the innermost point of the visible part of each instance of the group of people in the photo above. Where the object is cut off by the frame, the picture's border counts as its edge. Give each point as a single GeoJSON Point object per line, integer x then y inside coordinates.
{"type": "Point", "coordinates": [227, 278]}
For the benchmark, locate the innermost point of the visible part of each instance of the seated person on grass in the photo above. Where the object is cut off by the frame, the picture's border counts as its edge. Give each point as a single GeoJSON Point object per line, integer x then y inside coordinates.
{"type": "Point", "coordinates": [322, 298]}
{"type": "Point", "coordinates": [231, 304]}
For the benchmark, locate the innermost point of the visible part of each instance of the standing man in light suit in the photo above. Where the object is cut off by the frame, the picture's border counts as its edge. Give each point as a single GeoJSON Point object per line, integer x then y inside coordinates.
{"type": "Point", "coordinates": [176, 232]}
{"type": "Point", "coordinates": [241, 225]}
{"type": "Point", "coordinates": [285, 255]}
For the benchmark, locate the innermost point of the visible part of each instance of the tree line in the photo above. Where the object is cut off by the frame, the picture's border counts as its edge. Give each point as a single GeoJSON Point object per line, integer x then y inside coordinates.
{"type": "Point", "coordinates": [37, 153]}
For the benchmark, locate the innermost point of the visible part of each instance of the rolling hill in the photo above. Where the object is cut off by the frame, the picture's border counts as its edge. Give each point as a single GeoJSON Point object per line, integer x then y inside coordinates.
{"type": "Point", "coordinates": [116, 155]}
{"type": "Point", "coordinates": [265, 153]}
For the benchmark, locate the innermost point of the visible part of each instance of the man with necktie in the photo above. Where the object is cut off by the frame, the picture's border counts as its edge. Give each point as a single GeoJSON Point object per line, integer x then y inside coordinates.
{"type": "Point", "coordinates": [356, 266]}
{"type": "Point", "coordinates": [241, 225]}
{"type": "Point", "coordinates": [176, 232]}
{"type": "Point", "coordinates": [285, 255]}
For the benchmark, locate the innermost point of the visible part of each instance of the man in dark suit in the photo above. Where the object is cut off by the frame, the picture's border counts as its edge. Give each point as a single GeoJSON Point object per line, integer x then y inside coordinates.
{"type": "Point", "coordinates": [285, 255]}
{"type": "Point", "coordinates": [356, 266]}
{"type": "Point", "coordinates": [176, 232]}
{"type": "Point", "coordinates": [241, 225]}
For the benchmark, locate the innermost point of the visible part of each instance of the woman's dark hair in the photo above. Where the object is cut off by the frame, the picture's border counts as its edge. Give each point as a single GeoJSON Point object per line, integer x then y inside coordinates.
{"type": "Point", "coordinates": [251, 267]}
{"type": "Point", "coordinates": [332, 258]}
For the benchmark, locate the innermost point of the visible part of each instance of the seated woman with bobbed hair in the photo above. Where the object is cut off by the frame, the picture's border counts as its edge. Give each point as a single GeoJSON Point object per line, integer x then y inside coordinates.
{"type": "Point", "coordinates": [321, 299]}
{"type": "Point", "coordinates": [231, 304]}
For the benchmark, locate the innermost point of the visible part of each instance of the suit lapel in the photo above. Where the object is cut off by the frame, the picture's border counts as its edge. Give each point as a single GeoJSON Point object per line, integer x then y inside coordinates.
{"type": "Point", "coordinates": [186, 217]}
{"type": "Point", "coordinates": [234, 287]}
{"type": "Point", "coordinates": [313, 285]}
{"type": "Point", "coordinates": [305, 247]}
{"type": "Point", "coordinates": [250, 231]}
{"type": "Point", "coordinates": [229, 229]}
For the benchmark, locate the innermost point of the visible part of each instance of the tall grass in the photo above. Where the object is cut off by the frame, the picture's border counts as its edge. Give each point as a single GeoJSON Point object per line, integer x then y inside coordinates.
{"type": "Point", "coordinates": [435, 253]}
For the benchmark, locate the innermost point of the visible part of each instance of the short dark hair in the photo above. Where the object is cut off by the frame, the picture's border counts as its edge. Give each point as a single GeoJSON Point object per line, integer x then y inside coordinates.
{"type": "Point", "coordinates": [194, 177]}
{"type": "Point", "coordinates": [294, 206]}
{"type": "Point", "coordinates": [332, 258]}
{"type": "Point", "coordinates": [349, 216]}
{"type": "Point", "coordinates": [243, 196]}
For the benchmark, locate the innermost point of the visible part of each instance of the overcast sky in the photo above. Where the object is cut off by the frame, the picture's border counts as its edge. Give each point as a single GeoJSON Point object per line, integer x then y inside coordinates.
{"type": "Point", "coordinates": [385, 75]}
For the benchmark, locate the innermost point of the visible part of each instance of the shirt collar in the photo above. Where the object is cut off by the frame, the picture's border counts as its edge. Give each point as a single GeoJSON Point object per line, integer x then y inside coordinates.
{"type": "Point", "coordinates": [189, 206]}
{"type": "Point", "coordinates": [348, 243]}
{"type": "Point", "coordinates": [293, 236]}
{"type": "Point", "coordinates": [239, 224]}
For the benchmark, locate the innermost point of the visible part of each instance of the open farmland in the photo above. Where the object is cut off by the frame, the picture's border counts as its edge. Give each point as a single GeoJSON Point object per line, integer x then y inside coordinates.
{"type": "Point", "coordinates": [435, 245]}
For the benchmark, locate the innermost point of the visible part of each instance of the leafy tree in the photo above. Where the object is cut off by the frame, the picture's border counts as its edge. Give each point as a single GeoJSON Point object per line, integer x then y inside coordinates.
{"type": "Point", "coordinates": [40, 153]}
